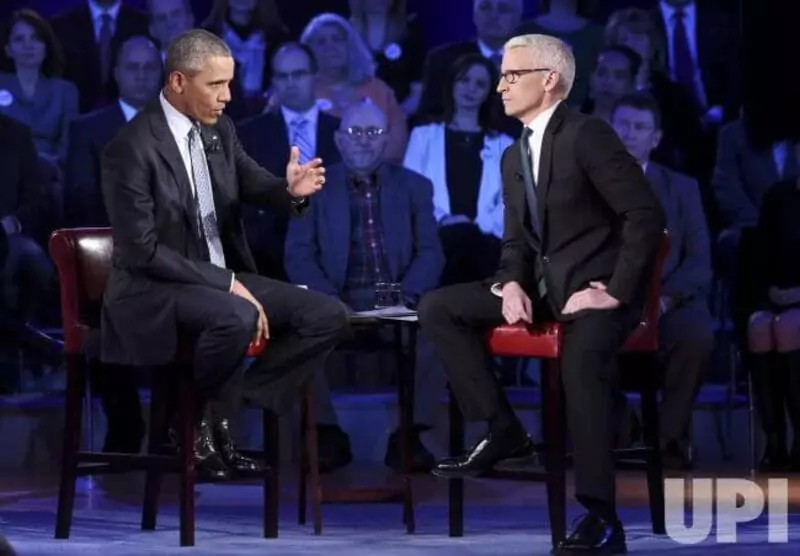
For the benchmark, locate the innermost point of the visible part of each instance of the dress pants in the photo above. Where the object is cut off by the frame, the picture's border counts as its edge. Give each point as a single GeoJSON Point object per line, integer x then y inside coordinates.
{"type": "Point", "coordinates": [455, 319]}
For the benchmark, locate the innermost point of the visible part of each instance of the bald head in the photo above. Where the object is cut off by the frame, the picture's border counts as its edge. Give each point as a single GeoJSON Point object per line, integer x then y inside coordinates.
{"type": "Point", "coordinates": [138, 71]}
{"type": "Point", "coordinates": [363, 136]}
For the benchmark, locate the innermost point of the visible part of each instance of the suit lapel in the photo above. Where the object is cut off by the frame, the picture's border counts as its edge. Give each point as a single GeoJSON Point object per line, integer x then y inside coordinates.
{"type": "Point", "coordinates": [518, 194]}
{"type": "Point", "coordinates": [326, 129]}
{"type": "Point", "coordinates": [279, 132]}
{"type": "Point", "coordinates": [546, 162]}
{"type": "Point", "coordinates": [394, 219]}
{"type": "Point", "coordinates": [336, 215]}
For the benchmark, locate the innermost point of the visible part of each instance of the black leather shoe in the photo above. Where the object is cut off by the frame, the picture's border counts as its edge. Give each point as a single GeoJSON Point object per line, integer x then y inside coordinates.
{"type": "Point", "coordinates": [240, 465]}
{"type": "Point", "coordinates": [484, 455]}
{"type": "Point", "coordinates": [333, 448]}
{"type": "Point", "coordinates": [422, 461]}
{"type": "Point", "coordinates": [594, 535]}
{"type": "Point", "coordinates": [208, 462]}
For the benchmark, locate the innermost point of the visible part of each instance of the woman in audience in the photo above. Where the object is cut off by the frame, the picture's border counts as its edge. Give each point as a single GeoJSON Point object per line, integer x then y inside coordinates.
{"type": "Point", "coordinates": [253, 30]}
{"type": "Point", "coordinates": [30, 88]}
{"type": "Point", "coordinates": [396, 42]}
{"type": "Point", "coordinates": [774, 330]}
{"type": "Point", "coordinates": [460, 154]}
{"type": "Point", "coordinates": [347, 74]}
{"type": "Point", "coordinates": [679, 148]}
{"type": "Point", "coordinates": [571, 21]}
{"type": "Point", "coordinates": [613, 78]}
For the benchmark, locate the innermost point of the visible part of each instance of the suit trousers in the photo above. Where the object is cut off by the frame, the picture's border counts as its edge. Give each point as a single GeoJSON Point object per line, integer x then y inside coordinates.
{"type": "Point", "coordinates": [456, 318]}
{"type": "Point", "coordinates": [304, 327]}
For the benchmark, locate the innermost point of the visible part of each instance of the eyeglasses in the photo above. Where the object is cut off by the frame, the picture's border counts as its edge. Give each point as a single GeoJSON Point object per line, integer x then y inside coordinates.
{"type": "Point", "coordinates": [293, 75]}
{"type": "Point", "coordinates": [512, 76]}
{"type": "Point", "coordinates": [371, 131]}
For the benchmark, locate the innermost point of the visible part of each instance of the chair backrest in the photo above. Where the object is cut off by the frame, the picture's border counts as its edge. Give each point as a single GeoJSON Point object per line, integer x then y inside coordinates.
{"type": "Point", "coordinates": [646, 338]}
{"type": "Point", "coordinates": [83, 259]}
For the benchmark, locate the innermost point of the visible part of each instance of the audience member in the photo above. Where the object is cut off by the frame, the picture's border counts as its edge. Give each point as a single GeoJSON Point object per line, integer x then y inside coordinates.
{"type": "Point", "coordinates": [90, 34]}
{"type": "Point", "coordinates": [138, 74]}
{"type": "Point", "coordinates": [347, 74]}
{"type": "Point", "coordinates": [571, 21]}
{"type": "Point", "coordinates": [495, 21]}
{"type": "Point", "coordinates": [30, 88]}
{"type": "Point", "coordinates": [373, 222]}
{"type": "Point", "coordinates": [686, 326]}
{"type": "Point", "coordinates": [395, 40]}
{"type": "Point", "coordinates": [168, 19]}
{"type": "Point", "coordinates": [613, 78]}
{"type": "Point", "coordinates": [296, 121]}
{"type": "Point", "coordinates": [461, 156]}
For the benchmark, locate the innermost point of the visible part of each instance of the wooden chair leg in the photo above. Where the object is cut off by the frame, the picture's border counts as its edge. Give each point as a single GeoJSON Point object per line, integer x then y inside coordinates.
{"type": "Point", "coordinates": [455, 487]}
{"type": "Point", "coordinates": [302, 464]}
{"type": "Point", "coordinates": [313, 457]}
{"type": "Point", "coordinates": [405, 398]}
{"type": "Point", "coordinates": [655, 469]}
{"type": "Point", "coordinates": [270, 424]}
{"type": "Point", "coordinates": [186, 450]}
{"type": "Point", "coordinates": [76, 384]}
{"type": "Point", "coordinates": [156, 438]}
{"type": "Point", "coordinates": [553, 417]}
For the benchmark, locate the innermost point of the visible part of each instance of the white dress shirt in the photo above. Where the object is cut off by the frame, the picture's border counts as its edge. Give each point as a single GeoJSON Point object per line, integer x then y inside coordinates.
{"type": "Point", "coordinates": [97, 11]}
{"type": "Point", "coordinates": [538, 126]}
{"type": "Point", "coordinates": [311, 116]}
{"type": "Point", "coordinates": [128, 111]}
{"type": "Point", "coordinates": [487, 52]}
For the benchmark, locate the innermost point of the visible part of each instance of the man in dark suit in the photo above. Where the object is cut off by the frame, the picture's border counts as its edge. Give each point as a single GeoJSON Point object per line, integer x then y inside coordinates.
{"type": "Point", "coordinates": [173, 180]}
{"type": "Point", "coordinates": [90, 35]}
{"type": "Point", "coordinates": [686, 326]}
{"type": "Point", "coordinates": [495, 21]}
{"type": "Point", "coordinates": [138, 75]}
{"type": "Point", "coordinates": [582, 229]}
{"type": "Point", "coordinates": [296, 120]}
{"type": "Point", "coordinates": [371, 211]}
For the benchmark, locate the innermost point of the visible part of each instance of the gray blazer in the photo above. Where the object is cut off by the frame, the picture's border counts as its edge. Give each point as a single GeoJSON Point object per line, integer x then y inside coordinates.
{"type": "Point", "coordinates": [687, 274]}
{"type": "Point", "coordinates": [741, 176]}
{"type": "Point", "coordinates": [48, 113]}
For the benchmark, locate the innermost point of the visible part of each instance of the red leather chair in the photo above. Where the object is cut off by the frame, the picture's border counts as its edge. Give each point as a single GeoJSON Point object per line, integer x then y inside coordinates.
{"type": "Point", "coordinates": [83, 259]}
{"type": "Point", "coordinates": [544, 341]}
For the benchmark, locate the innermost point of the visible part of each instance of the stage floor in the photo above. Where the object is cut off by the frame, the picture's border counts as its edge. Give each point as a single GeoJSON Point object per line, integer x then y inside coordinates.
{"type": "Point", "coordinates": [501, 518]}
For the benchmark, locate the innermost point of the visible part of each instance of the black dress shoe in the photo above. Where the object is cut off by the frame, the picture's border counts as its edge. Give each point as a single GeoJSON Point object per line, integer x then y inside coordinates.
{"type": "Point", "coordinates": [208, 462]}
{"type": "Point", "coordinates": [333, 448]}
{"type": "Point", "coordinates": [484, 455]}
{"type": "Point", "coordinates": [594, 535]}
{"type": "Point", "coordinates": [240, 465]}
{"type": "Point", "coordinates": [422, 461]}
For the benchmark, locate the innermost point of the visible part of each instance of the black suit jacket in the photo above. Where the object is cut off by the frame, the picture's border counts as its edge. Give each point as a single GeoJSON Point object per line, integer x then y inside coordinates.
{"type": "Point", "coordinates": [266, 139]}
{"type": "Point", "coordinates": [157, 245]}
{"type": "Point", "coordinates": [75, 31]}
{"type": "Point", "coordinates": [600, 219]}
{"type": "Point", "coordinates": [21, 175]}
{"type": "Point", "coordinates": [88, 136]}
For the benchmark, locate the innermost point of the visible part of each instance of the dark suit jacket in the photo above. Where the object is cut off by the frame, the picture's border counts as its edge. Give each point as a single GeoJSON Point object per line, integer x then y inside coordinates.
{"type": "Point", "coordinates": [318, 247]}
{"type": "Point", "coordinates": [157, 245]}
{"type": "Point", "coordinates": [88, 136]}
{"type": "Point", "coordinates": [599, 217]}
{"type": "Point", "coordinates": [75, 31]}
{"type": "Point", "coordinates": [686, 276]}
{"type": "Point", "coordinates": [266, 139]}
{"type": "Point", "coordinates": [21, 175]}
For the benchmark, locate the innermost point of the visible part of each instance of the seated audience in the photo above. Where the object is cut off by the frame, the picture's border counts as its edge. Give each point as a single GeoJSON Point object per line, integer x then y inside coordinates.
{"type": "Point", "coordinates": [682, 146]}
{"type": "Point", "coordinates": [138, 73]}
{"type": "Point", "coordinates": [347, 74]}
{"type": "Point", "coordinates": [395, 39]}
{"type": "Point", "coordinates": [373, 222]}
{"type": "Point", "coordinates": [90, 34]}
{"type": "Point", "coordinates": [773, 336]}
{"type": "Point", "coordinates": [168, 19]}
{"type": "Point", "coordinates": [612, 79]}
{"type": "Point", "coordinates": [30, 88]}
{"type": "Point", "coordinates": [570, 21]}
{"type": "Point", "coordinates": [461, 155]}
{"type": "Point", "coordinates": [495, 22]}
{"type": "Point", "coordinates": [297, 121]}
{"type": "Point", "coordinates": [686, 326]}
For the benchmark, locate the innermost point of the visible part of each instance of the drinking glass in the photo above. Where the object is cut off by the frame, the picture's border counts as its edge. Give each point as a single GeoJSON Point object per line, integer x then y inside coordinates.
{"type": "Point", "coordinates": [388, 294]}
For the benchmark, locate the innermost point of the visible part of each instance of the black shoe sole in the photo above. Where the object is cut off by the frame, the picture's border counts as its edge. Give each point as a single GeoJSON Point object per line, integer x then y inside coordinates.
{"type": "Point", "coordinates": [609, 550]}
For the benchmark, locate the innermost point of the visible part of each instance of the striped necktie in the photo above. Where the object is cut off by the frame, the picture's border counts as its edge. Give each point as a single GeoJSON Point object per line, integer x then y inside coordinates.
{"type": "Point", "coordinates": [204, 194]}
{"type": "Point", "coordinates": [301, 139]}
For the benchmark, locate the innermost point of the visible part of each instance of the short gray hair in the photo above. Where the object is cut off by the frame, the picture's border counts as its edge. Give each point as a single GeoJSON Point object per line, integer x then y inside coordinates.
{"type": "Point", "coordinates": [189, 51]}
{"type": "Point", "coordinates": [550, 52]}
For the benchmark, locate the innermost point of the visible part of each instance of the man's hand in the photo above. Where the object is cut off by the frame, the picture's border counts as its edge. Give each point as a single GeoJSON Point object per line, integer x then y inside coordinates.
{"type": "Point", "coordinates": [304, 179]}
{"type": "Point", "coordinates": [262, 326]}
{"type": "Point", "coordinates": [452, 219]}
{"type": "Point", "coordinates": [516, 304]}
{"type": "Point", "coordinates": [593, 297]}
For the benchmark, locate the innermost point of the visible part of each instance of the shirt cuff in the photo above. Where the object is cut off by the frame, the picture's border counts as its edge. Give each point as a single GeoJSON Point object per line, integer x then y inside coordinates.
{"type": "Point", "coordinates": [233, 281]}
{"type": "Point", "coordinates": [497, 289]}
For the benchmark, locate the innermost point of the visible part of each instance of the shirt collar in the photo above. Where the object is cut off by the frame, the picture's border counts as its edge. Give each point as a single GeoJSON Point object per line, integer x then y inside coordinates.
{"type": "Point", "coordinates": [539, 123]}
{"type": "Point", "coordinates": [487, 52]}
{"type": "Point", "coordinates": [668, 11]}
{"type": "Point", "coordinates": [311, 116]}
{"type": "Point", "coordinates": [127, 110]}
{"type": "Point", "coordinates": [97, 11]}
{"type": "Point", "coordinates": [178, 123]}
